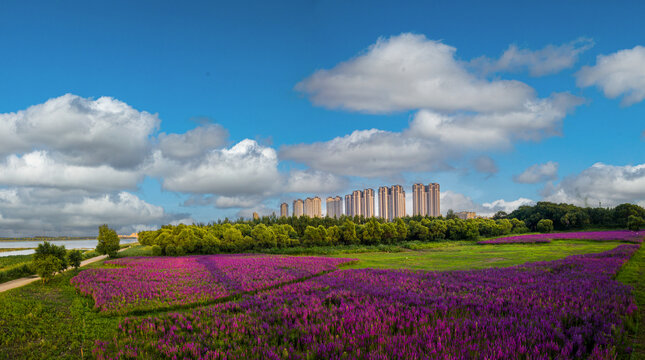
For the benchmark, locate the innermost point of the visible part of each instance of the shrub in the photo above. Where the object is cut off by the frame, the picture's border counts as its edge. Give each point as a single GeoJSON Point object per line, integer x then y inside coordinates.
{"type": "Point", "coordinates": [635, 223]}
{"type": "Point", "coordinates": [545, 226]}
{"type": "Point", "coordinates": [156, 250]}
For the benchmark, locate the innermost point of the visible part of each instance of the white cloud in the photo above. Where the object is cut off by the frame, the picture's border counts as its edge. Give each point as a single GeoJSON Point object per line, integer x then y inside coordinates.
{"type": "Point", "coordinates": [432, 139]}
{"type": "Point", "coordinates": [609, 185]}
{"type": "Point", "coordinates": [460, 202]}
{"type": "Point", "coordinates": [366, 153]}
{"type": "Point", "coordinates": [619, 74]}
{"type": "Point", "coordinates": [247, 168]}
{"type": "Point", "coordinates": [225, 202]}
{"type": "Point", "coordinates": [407, 72]}
{"type": "Point", "coordinates": [193, 143]}
{"type": "Point", "coordinates": [311, 181]}
{"type": "Point", "coordinates": [538, 173]}
{"type": "Point", "coordinates": [39, 169]}
{"type": "Point", "coordinates": [548, 60]}
{"type": "Point", "coordinates": [83, 131]}
{"type": "Point", "coordinates": [32, 211]}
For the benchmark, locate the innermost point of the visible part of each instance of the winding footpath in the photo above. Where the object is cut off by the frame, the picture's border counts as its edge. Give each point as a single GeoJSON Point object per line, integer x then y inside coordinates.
{"type": "Point", "coordinates": [28, 280]}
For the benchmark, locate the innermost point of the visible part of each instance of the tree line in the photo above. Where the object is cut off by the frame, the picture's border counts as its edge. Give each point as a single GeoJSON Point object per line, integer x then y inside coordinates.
{"type": "Point", "coordinates": [282, 232]}
{"type": "Point", "coordinates": [241, 236]}
{"type": "Point", "coordinates": [571, 217]}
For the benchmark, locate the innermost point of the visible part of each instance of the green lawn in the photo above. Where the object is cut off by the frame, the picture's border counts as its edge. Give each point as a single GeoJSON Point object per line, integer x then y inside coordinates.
{"type": "Point", "coordinates": [466, 255]}
{"type": "Point", "coordinates": [8, 261]}
{"type": "Point", "coordinates": [50, 321]}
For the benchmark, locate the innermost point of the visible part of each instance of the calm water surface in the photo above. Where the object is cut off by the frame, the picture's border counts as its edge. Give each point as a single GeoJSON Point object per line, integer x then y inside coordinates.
{"type": "Point", "coordinates": [83, 244]}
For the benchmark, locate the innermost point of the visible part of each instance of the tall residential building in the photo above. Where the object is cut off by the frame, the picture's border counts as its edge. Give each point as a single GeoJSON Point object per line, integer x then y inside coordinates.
{"type": "Point", "coordinates": [349, 210]}
{"type": "Point", "coordinates": [284, 210]}
{"type": "Point", "coordinates": [391, 202]}
{"type": "Point", "coordinates": [334, 207]}
{"type": "Point", "coordinates": [360, 203]}
{"type": "Point", "coordinates": [383, 202]}
{"type": "Point", "coordinates": [298, 208]}
{"type": "Point", "coordinates": [313, 207]}
{"type": "Point", "coordinates": [418, 200]}
{"type": "Point", "coordinates": [368, 203]}
{"type": "Point", "coordinates": [425, 199]}
{"type": "Point", "coordinates": [398, 202]}
{"type": "Point", "coordinates": [357, 203]}
{"type": "Point", "coordinates": [433, 199]}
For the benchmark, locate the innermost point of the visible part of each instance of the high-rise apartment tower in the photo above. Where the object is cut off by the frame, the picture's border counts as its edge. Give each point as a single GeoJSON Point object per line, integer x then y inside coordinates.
{"type": "Point", "coordinates": [426, 200]}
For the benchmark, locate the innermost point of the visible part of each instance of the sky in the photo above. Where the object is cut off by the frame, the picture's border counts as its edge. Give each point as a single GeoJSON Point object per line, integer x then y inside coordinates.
{"type": "Point", "coordinates": [139, 114]}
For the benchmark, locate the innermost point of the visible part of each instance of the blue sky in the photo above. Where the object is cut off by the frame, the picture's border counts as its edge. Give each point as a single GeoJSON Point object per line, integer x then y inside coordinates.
{"type": "Point", "coordinates": [279, 88]}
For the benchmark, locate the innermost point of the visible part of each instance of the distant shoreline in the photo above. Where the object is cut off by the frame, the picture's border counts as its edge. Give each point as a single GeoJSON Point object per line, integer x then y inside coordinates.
{"type": "Point", "coordinates": [55, 239]}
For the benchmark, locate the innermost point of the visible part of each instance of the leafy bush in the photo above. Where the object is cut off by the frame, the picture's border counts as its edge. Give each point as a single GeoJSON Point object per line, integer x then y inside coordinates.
{"type": "Point", "coordinates": [545, 226]}
{"type": "Point", "coordinates": [156, 250]}
{"type": "Point", "coordinates": [635, 223]}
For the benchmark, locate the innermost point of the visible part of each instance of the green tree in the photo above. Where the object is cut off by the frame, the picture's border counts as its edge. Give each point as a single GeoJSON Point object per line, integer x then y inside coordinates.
{"type": "Point", "coordinates": [46, 266]}
{"type": "Point", "coordinates": [389, 233]}
{"type": "Point", "coordinates": [401, 230]}
{"type": "Point", "coordinates": [372, 232]}
{"type": "Point", "coordinates": [311, 236]}
{"type": "Point", "coordinates": [108, 241]}
{"type": "Point", "coordinates": [75, 257]}
{"type": "Point", "coordinates": [635, 223]}
{"type": "Point", "coordinates": [264, 237]}
{"type": "Point", "coordinates": [545, 226]}
{"type": "Point", "coordinates": [349, 232]}
{"type": "Point", "coordinates": [46, 248]}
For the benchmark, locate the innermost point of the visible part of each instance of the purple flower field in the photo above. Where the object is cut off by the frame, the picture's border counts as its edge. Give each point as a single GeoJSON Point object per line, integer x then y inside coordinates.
{"type": "Point", "coordinates": [147, 283]}
{"type": "Point", "coordinates": [565, 309]}
{"type": "Point", "coordinates": [635, 237]}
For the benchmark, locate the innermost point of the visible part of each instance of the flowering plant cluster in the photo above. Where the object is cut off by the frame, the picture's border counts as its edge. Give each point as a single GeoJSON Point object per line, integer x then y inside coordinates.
{"type": "Point", "coordinates": [146, 283]}
{"type": "Point", "coordinates": [635, 237]}
{"type": "Point", "coordinates": [564, 309]}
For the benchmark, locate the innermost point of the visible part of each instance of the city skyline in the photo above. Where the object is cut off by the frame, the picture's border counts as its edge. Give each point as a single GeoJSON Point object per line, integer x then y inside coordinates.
{"type": "Point", "coordinates": [140, 114]}
{"type": "Point", "coordinates": [391, 203]}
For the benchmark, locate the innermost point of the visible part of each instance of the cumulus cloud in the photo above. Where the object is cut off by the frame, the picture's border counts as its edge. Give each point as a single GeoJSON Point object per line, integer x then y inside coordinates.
{"type": "Point", "coordinates": [407, 72]}
{"type": "Point", "coordinates": [33, 211]}
{"type": "Point", "coordinates": [460, 202]}
{"type": "Point", "coordinates": [312, 181]}
{"type": "Point", "coordinates": [548, 60]}
{"type": "Point", "coordinates": [431, 139]}
{"type": "Point", "coordinates": [619, 74]}
{"type": "Point", "coordinates": [609, 185]}
{"type": "Point", "coordinates": [538, 173]}
{"type": "Point", "coordinates": [39, 169]}
{"type": "Point", "coordinates": [485, 165]}
{"type": "Point", "coordinates": [193, 143]}
{"type": "Point", "coordinates": [246, 168]}
{"type": "Point", "coordinates": [83, 131]}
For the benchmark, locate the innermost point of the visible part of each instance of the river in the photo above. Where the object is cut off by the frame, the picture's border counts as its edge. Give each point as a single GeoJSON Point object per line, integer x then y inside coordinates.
{"type": "Point", "coordinates": [83, 244]}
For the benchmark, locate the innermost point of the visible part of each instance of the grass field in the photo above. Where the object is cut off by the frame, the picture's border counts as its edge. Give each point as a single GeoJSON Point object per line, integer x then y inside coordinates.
{"type": "Point", "coordinates": [53, 321]}
{"type": "Point", "coordinates": [633, 273]}
{"type": "Point", "coordinates": [466, 255]}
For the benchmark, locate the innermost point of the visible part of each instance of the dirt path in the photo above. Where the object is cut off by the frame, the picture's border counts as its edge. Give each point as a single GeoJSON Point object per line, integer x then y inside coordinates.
{"type": "Point", "coordinates": [28, 280]}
